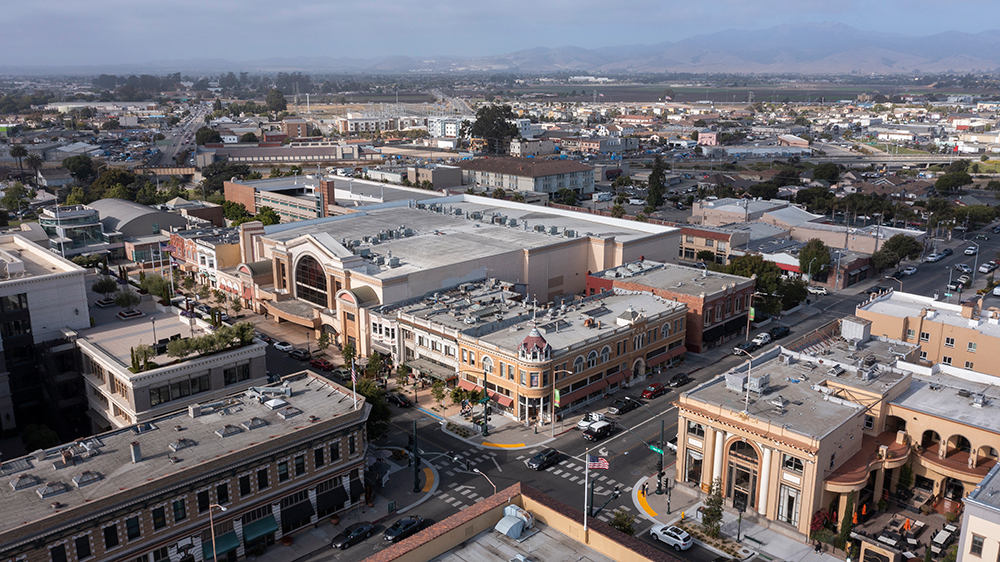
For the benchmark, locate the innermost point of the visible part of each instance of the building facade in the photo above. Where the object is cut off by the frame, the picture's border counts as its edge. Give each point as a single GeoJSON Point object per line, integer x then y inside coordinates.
{"type": "Point", "coordinates": [529, 174]}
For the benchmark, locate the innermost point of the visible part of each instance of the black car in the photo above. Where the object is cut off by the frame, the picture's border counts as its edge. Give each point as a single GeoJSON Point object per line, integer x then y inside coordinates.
{"type": "Point", "coordinates": [680, 379]}
{"type": "Point", "coordinates": [352, 535]}
{"type": "Point", "coordinates": [299, 354]}
{"type": "Point", "coordinates": [876, 290]}
{"type": "Point", "coordinates": [399, 400]}
{"type": "Point", "coordinates": [747, 346]}
{"type": "Point", "coordinates": [778, 332]}
{"type": "Point", "coordinates": [623, 405]}
{"type": "Point", "coordinates": [403, 528]}
{"type": "Point", "coordinates": [543, 459]}
{"type": "Point", "coordinates": [947, 252]}
{"type": "Point", "coordinates": [898, 274]}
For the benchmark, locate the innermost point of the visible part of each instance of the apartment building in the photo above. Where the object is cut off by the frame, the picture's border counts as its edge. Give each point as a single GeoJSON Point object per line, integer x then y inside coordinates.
{"type": "Point", "coordinates": [276, 458]}
{"type": "Point", "coordinates": [719, 241]}
{"type": "Point", "coordinates": [528, 174]}
{"type": "Point", "coordinates": [717, 303]}
{"type": "Point", "coordinates": [534, 361]}
{"type": "Point", "coordinates": [981, 520]}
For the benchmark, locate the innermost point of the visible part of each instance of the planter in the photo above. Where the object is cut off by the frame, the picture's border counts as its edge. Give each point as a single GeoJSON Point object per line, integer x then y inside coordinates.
{"type": "Point", "coordinates": [105, 303]}
{"type": "Point", "coordinates": [335, 520]}
{"type": "Point", "coordinates": [129, 315]}
{"type": "Point", "coordinates": [286, 540]}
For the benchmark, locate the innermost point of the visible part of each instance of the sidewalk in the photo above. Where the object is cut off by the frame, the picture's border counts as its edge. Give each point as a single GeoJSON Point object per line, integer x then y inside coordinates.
{"type": "Point", "coordinates": [758, 538]}
{"type": "Point", "coordinates": [397, 494]}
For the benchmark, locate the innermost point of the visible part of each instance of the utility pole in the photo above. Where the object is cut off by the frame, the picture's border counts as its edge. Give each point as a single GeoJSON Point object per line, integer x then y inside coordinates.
{"type": "Point", "coordinates": [416, 459]}
{"type": "Point", "coordinates": [659, 463]}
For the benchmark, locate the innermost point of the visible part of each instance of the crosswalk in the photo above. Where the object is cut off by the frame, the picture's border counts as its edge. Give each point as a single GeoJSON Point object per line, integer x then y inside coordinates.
{"type": "Point", "coordinates": [460, 497]}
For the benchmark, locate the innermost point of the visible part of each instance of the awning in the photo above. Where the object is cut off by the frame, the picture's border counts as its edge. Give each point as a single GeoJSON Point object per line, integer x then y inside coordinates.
{"type": "Point", "coordinates": [617, 377]}
{"type": "Point", "coordinates": [854, 272]}
{"type": "Point", "coordinates": [468, 385]}
{"type": "Point", "coordinates": [735, 325]}
{"type": "Point", "coordinates": [259, 528]}
{"type": "Point", "coordinates": [678, 351]}
{"type": "Point", "coordinates": [713, 334]}
{"type": "Point", "coordinates": [666, 356]}
{"type": "Point", "coordinates": [865, 267]}
{"type": "Point", "coordinates": [432, 369]}
{"type": "Point", "coordinates": [505, 401]}
{"type": "Point", "coordinates": [331, 499]}
{"type": "Point", "coordinates": [298, 512]}
{"type": "Point", "coordinates": [224, 544]}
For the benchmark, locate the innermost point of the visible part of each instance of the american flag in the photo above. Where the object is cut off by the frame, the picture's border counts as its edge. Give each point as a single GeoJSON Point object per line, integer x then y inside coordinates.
{"type": "Point", "coordinates": [597, 462]}
{"type": "Point", "coordinates": [354, 374]}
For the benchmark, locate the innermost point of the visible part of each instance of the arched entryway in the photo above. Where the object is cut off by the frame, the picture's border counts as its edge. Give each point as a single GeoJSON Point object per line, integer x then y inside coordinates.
{"type": "Point", "coordinates": [741, 475]}
{"type": "Point", "coordinates": [310, 281]}
{"type": "Point", "coordinates": [958, 444]}
{"type": "Point", "coordinates": [929, 439]}
{"type": "Point", "coordinates": [895, 423]}
{"type": "Point", "coordinates": [639, 369]}
{"type": "Point", "coordinates": [953, 489]}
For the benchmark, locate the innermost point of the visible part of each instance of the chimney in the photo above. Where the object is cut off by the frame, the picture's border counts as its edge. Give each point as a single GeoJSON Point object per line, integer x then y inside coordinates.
{"type": "Point", "coordinates": [968, 310]}
{"type": "Point", "coordinates": [136, 453]}
{"type": "Point", "coordinates": [194, 410]}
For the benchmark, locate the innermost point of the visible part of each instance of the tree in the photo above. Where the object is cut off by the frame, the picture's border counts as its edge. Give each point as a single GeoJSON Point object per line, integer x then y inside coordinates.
{"type": "Point", "coordinates": [323, 341]}
{"type": "Point", "coordinates": [381, 414]}
{"type": "Point", "coordinates": [904, 246]}
{"type": "Point", "coordinates": [706, 256]}
{"type": "Point", "coordinates": [814, 257]}
{"type": "Point", "coordinates": [518, 197]}
{"type": "Point", "coordinates": [885, 259]}
{"type": "Point", "coordinates": [34, 161]}
{"type": "Point", "coordinates": [236, 304]}
{"type": "Point", "coordinates": [105, 286]}
{"type": "Point", "coordinates": [248, 137]}
{"type": "Point", "coordinates": [188, 283]}
{"type": "Point", "coordinates": [37, 437]}
{"type": "Point", "coordinates": [438, 391]}
{"type": "Point", "coordinates": [154, 284]}
{"type": "Point", "coordinates": [348, 353]}
{"type": "Point", "coordinates": [234, 211]}
{"type": "Point", "coordinates": [499, 193]}
{"type": "Point", "coordinates": [206, 135]}
{"type": "Point", "coordinates": [566, 196]}
{"type": "Point", "coordinates": [204, 291]}
{"type": "Point", "coordinates": [127, 299]}
{"type": "Point", "coordinates": [275, 100]}
{"type": "Point", "coordinates": [827, 171]}
{"type": "Point", "coordinates": [81, 167]}
{"type": "Point", "coordinates": [763, 190]}
{"type": "Point", "coordinates": [618, 211]}
{"type": "Point", "coordinates": [495, 125]}
{"type": "Point", "coordinates": [375, 364]}
{"type": "Point", "coordinates": [711, 514]}
{"type": "Point", "coordinates": [268, 216]}
{"type": "Point", "coordinates": [623, 521]}
{"type": "Point", "coordinates": [656, 188]}
{"type": "Point", "coordinates": [110, 125]}
{"type": "Point", "coordinates": [18, 152]}
{"type": "Point", "coordinates": [952, 181]}
{"type": "Point", "coordinates": [16, 196]}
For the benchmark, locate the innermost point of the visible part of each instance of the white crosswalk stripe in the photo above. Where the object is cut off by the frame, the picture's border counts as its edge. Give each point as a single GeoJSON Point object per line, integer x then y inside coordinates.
{"type": "Point", "coordinates": [520, 458]}
{"type": "Point", "coordinates": [563, 463]}
{"type": "Point", "coordinates": [566, 474]}
{"type": "Point", "coordinates": [449, 472]}
{"type": "Point", "coordinates": [452, 484]}
{"type": "Point", "coordinates": [557, 472]}
{"type": "Point", "coordinates": [602, 478]}
{"type": "Point", "coordinates": [574, 479]}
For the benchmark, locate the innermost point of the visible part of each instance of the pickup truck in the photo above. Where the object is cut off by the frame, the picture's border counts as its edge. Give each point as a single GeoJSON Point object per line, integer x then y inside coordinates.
{"type": "Point", "coordinates": [589, 419]}
{"type": "Point", "coordinates": [672, 444]}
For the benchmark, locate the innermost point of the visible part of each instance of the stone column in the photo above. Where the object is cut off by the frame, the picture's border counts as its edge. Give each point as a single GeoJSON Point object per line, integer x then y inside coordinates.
{"type": "Point", "coordinates": [708, 454]}
{"type": "Point", "coordinates": [842, 505]}
{"type": "Point", "coordinates": [720, 444]}
{"type": "Point", "coordinates": [879, 483]}
{"type": "Point", "coordinates": [276, 512]}
{"type": "Point", "coordinates": [238, 527]}
{"type": "Point", "coordinates": [765, 481]}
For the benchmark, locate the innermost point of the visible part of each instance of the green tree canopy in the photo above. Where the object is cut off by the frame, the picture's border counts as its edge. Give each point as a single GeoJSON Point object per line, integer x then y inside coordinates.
{"type": "Point", "coordinates": [217, 173]}
{"type": "Point", "coordinates": [16, 197]}
{"type": "Point", "coordinates": [952, 181]}
{"type": "Point", "coordinates": [656, 189]}
{"type": "Point", "coordinates": [904, 246]}
{"type": "Point", "coordinates": [80, 167]}
{"type": "Point", "coordinates": [566, 196]}
{"type": "Point", "coordinates": [814, 258]}
{"type": "Point", "coordinates": [381, 414]}
{"type": "Point", "coordinates": [275, 100]}
{"type": "Point", "coordinates": [494, 124]}
{"type": "Point", "coordinates": [248, 137]}
{"type": "Point", "coordinates": [206, 135]}
{"type": "Point", "coordinates": [234, 211]}
{"type": "Point", "coordinates": [827, 171]}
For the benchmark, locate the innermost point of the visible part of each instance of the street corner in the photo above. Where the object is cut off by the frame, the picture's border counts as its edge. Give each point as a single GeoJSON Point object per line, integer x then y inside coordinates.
{"type": "Point", "coordinates": [640, 497]}
{"type": "Point", "coordinates": [429, 481]}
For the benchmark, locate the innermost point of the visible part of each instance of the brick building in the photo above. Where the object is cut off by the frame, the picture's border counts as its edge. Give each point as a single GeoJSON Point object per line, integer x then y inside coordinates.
{"type": "Point", "coordinates": [717, 303]}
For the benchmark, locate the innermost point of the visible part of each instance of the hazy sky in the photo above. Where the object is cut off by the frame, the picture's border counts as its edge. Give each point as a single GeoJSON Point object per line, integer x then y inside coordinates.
{"type": "Point", "coordinates": [86, 32]}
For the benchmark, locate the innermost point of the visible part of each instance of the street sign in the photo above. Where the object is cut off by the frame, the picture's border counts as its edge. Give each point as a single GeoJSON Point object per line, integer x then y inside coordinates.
{"type": "Point", "coordinates": [947, 294]}
{"type": "Point", "coordinates": [656, 449]}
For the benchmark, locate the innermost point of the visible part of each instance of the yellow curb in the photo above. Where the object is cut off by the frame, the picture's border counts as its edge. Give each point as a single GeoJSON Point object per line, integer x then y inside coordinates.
{"type": "Point", "coordinates": [429, 477]}
{"type": "Point", "coordinates": [513, 446]}
{"type": "Point", "coordinates": [645, 505]}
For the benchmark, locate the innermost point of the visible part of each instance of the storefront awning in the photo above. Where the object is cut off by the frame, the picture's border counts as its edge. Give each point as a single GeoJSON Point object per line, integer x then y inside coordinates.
{"type": "Point", "coordinates": [297, 512]}
{"type": "Point", "coordinates": [854, 272]}
{"type": "Point", "coordinates": [331, 499]}
{"type": "Point", "coordinates": [617, 377]}
{"type": "Point", "coordinates": [735, 325]}
{"type": "Point", "coordinates": [505, 401]}
{"type": "Point", "coordinates": [713, 334]}
{"type": "Point", "coordinates": [431, 369]}
{"type": "Point", "coordinates": [261, 527]}
{"type": "Point", "coordinates": [666, 356]}
{"type": "Point", "coordinates": [224, 544]}
{"type": "Point", "coordinates": [468, 385]}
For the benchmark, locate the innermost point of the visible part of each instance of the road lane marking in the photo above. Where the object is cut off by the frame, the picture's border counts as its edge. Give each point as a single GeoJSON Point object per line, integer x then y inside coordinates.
{"type": "Point", "coordinates": [503, 446]}
{"type": "Point", "coordinates": [429, 474]}
{"type": "Point", "coordinates": [645, 506]}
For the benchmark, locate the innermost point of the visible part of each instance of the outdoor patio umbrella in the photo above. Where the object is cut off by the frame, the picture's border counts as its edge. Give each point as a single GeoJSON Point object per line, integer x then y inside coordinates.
{"type": "Point", "coordinates": [906, 524]}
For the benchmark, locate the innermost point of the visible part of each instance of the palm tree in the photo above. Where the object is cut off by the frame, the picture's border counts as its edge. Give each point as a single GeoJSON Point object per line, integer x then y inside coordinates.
{"type": "Point", "coordinates": [18, 151]}
{"type": "Point", "coordinates": [34, 161]}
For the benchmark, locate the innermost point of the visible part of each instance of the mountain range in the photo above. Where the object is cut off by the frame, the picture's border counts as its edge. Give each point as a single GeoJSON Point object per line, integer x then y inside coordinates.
{"type": "Point", "coordinates": [812, 48]}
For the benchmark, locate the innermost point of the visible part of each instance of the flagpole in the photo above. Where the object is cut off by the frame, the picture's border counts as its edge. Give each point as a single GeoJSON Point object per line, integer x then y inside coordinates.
{"type": "Point", "coordinates": [354, 383]}
{"type": "Point", "coordinates": [586, 481]}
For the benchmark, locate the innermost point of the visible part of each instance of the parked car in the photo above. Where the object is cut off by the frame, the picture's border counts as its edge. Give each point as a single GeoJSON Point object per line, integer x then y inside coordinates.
{"type": "Point", "coordinates": [283, 346]}
{"type": "Point", "coordinates": [262, 337]}
{"type": "Point", "coordinates": [963, 267]}
{"type": "Point", "coordinates": [909, 271]}
{"type": "Point", "coordinates": [964, 279]}
{"type": "Point", "coordinates": [971, 251]}
{"type": "Point", "coordinates": [673, 536]}
{"type": "Point", "coordinates": [396, 398]}
{"type": "Point", "coordinates": [403, 528]}
{"type": "Point", "coordinates": [933, 258]}
{"type": "Point", "coordinates": [299, 354]}
{"type": "Point", "coordinates": [623, 405]}
{"type": "Point", "coordinates": [762, 339]}
{"type": "Point", "coordinates": [746, 346]}
{"type": "Point", "coordinates": [672, 444]}
{"type": "Point", "coordinates": [996, 229]}
{"type": "Point", "coordinates": [987, 267]}
{"type": "Point", "coordinates": [816, 290]}
{"type": "Point", "coordinates": [679, 379]}
{"type": "Point", "coordinates": [543, 459]}
{"type": "Point", "coordinates": [996, 291]}
{"type": "Point", "coordinates": [598, 430]}
{"type": "Point", "coordinates": [321, 364]}
{"type": "Point", "coordinates": [947, 252]}
{"type": "Point", "coordinates": [341, 373]}
{"type": "Point", "coordinates": [589, 419]}
{"type": "Point", "coordinates": [352, 535]}
{"type": "Point", "coordinates": [778, 332]}
{"type": "Point", "coordinates": [654, 390]}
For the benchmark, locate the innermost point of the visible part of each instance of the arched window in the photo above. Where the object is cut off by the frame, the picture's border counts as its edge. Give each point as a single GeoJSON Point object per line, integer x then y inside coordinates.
{"type": "Point", "coordinates": [578, 365]}
{"type": "Point", "coordinates": [310, 281]}
{"type": "Point", "coordinates": [488, 364]}
{"type": "Point", "coordinates": [729, 306]}
{"type": "Point", "coordinates": [606, 354]}
{"type": "Point", "coordinates": [666, 330]}
{"type": "Point", "coordinates": [592, 359]}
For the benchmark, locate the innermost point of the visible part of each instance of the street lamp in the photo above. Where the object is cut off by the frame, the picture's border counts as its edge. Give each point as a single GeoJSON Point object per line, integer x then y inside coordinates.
{"type": "Point", "coordinates": [746, 403]}
{"type": "Point", "coordinates": [553, 401]}
{"type": "Point", "coordinates": [483, 474]}
{"type": "Point", "coordinates": [900, 281]}
{"type": "Point", "coordinates": [975, 263]}
{"type": "Point", "coordinates": [811, 269]}
{"type": "Point", "coordinates": [211, 523]}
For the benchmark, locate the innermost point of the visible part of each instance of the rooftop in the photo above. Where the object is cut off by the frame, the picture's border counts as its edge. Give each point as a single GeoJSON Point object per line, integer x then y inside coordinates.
{"type": "Point", "coordinates": [674, 278]}
{"type": "Point", "coordinates": [19, 258]}
{"type": "Point", "coordinates": [547, 544]}
{"type": "Point", "coordinates": [733, 205]}
{"type": "Point", "coordinates": [907, 305]}
{"type": "Point", "coordinates": [987, 493]}
{"type": "Point", "coordinates": [174, 448]}
{"type": "Point", "coordinates": [953, 397]}
{"type": "Point", "coordinates": [531, 167]}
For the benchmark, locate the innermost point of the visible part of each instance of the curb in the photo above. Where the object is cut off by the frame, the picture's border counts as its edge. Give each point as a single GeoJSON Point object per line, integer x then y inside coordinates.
{"type": "Point", "coordinates": [428, 495]}
{"type": "Point", "coordinates": [429, 413]}
{"type": "Point", "coordinates": [498, 446]}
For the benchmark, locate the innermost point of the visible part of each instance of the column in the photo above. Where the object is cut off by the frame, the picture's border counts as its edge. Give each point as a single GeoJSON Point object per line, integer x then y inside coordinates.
{"type": "Point", "coordinates": [276, 512]}
{"type": "Point", "coordinates": [708, 454]}
{"type": "Point", "coordinates": [720, 443]}
{"type": "Point", "coordinates": [765, 481]}
{"type": "Point", "coordinates": [879, 483]}
{"type": "Point", "coordinates": [842, 506]}
{"type": "Point", "coordinates": [312, 499]}
{"type": "Point", "coordinates": [238, 527]}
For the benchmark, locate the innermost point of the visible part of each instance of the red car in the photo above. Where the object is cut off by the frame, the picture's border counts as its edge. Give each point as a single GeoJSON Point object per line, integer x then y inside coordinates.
{"type": "Point", "coordinates": [322, 364]}
{"type": "Point", "coordinates": [654, 390]}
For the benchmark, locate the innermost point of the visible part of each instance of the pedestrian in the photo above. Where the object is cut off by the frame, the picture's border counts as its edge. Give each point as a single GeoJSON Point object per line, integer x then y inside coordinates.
{"type": "Point", "coordinates": [645, 489]}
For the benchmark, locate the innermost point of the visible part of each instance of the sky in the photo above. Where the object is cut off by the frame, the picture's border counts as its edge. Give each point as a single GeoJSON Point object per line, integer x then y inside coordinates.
{"type": "Point", "coordinates": [108, 32]}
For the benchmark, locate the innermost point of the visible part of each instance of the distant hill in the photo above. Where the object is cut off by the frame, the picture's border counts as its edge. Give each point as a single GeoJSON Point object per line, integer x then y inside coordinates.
{"type": "Point", "coordinates": [812, 48]}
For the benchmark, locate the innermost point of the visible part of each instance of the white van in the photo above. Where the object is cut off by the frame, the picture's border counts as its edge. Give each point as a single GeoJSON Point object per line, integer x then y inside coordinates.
{"type": "Point", "coordinates": [604, 196]}
{"type": "Point", "coordinates": [635, 201]}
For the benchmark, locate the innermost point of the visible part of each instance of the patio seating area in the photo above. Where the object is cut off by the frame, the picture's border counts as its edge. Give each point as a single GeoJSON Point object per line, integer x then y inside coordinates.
{"type": "Point", "coordinates": [910, 533]}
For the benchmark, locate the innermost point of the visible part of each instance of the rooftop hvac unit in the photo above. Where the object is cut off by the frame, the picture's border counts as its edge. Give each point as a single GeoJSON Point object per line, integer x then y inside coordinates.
{"type": "Point", "coordinates": [421, 206]}
{"type": "Point", "coordinates": [569, 233]}
{"type": "Point", "coordinates": [512, 222]}
{"type": "Point", "coordinates": [379, 260]}
{"type": "Point", "coordinates": [408, 232]}
{"type": "Point", "coordinates": [383, 235]}
{"type": "Point", "coordinates": [735, 381]}
{"type": "Point", "coordinates": [457, 211]}
{"type": "Point", "coordinates": [539, 228]}
{"type": "Point", "coordinates": [760, 384]}
{"type": "Point", "coordinates": [553, 230]}
{"type": "Point", "coordinates": [835, 371]}
{"type": "Point", "coordinates": [393, 262]}
{"type": "Point", "coordinates": [477, 215]}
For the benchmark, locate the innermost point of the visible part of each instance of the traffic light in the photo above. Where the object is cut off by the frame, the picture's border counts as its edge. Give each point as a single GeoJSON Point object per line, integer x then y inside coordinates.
{"type": "Point", "coordinates": [409, 442]}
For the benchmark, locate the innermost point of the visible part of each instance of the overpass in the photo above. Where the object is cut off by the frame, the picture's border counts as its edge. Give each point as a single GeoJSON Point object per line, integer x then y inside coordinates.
{"type": "Point", "coordinates": [167, 170]}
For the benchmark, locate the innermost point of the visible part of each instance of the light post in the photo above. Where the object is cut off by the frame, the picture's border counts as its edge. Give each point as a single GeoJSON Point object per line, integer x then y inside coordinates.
{"type": "Point", "coordinates": [749, 309]}
{"type": "Point", "coordinates": [553, 401]}
{"type": "Point", "coordinates": [483, 474]}
{"type": "Point", "coordinates": [975, 263]}
{"type": "Point", "coordinates": [811, 269]}
{"type": "Point", "coordinates": [485, 401]}
{"type": "Point", "coordinates": [211, 523]}
{"type": "Point", "coordinates": [900, 281]}
{"type": "Point", "coordinates": [153, 321]}
{"type": "Point", "coordinates": [746, 403]}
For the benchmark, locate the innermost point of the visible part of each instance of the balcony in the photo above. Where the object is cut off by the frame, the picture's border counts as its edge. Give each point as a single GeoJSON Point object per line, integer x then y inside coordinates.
{"type": "Point", "coordinates": [853, 474]}
{"type": "Point", "coordinates": [956, 464]}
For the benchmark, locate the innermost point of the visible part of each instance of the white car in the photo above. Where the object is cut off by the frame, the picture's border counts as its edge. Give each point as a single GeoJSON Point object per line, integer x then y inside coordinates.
{"type": "Point", "coordinates": [673, 536]}
{"type": "Point", "coordinates": [963, 267]}
{"type": "Point", "coordinates": [932, 258]}
{"type": "Point", "coordinates": [909, 270]}
{"type": "Point", "coordinates": [971, 251]}
{"type": "Point", "coordinates": [996, 291]}
{"type": "Point", "coordinates": [816, 290]}
{"type": "Point", "coordinates": [588, 419]}
{"type": "Point", "coordinates": [762, 339]}
{"type": "Point", "coordinates": [283, 346]}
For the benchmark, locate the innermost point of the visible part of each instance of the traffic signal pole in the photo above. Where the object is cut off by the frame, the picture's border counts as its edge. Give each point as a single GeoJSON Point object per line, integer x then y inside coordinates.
{"type": "Point", "coordinates": [659, 463]}
{"type": "Point", "coordinates": [416, 460]}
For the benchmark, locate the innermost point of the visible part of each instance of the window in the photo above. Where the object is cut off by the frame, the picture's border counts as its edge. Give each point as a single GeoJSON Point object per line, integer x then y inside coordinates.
{"type": "Point", "coordinates": [578, 365]}
{"type": "Point", "coordinates": [159, 395]}
{"type": "Point", "coordinates": [282, 471]}
{"type": "Point", "coordinates": [791, 464]}
{"type": "Point", "coordinates": [222, 493]}
{"type": "Point", "coordinates": [679, 325]}
{"type": "Point", "coordinates": [924, 336]}
{"type": "Point", "coordinates": [524, 377]}
{"type": "Point", "coordinates": [335, 452]}
{"type": "Point", "coordinates": [180, 389]}
{"type": "Point", "coordinates": [689, 239]}
{"type": "Point", "coordinates": [310, 281]}
{"type": "Point", "coordinates": [975, 549]}
{"type": "Point", "coordinates": [161, 554]}
{"type": "Point", "coordinates": [110, 537]}
{"type": "Point", "coordinates": [869, 422]}
{"type": "Point", "coordinates": [318, 457]}
{"type": "Point", "coordinates": [236, 374]}
{"type": "Point", "coordinates": [972, 347]}
{"type": "Point", "coordinates": [350, 446]}
{"type": "Point", "coordinates": [262, 482]}
{"type": "Point", "coordinates": [696, 429]}
{"type": "Point", "coordinates": [833, 460]}
{"type": "Point", "coordinates": [132, 527]}
{"type": "Point", "coordinates": [300, 465]}
{"type": "Point", "coordinates": [199, 384]}
{"type": "Point", "coordinates": [946, 360]}
{"type": "Point", "coordinates": [592, 359]}
{"type": "Point", "coordinates": [708, 316]}
{"type": "Point", "coordinates": [968, 365]}
{"type": "Point", "coordinates": [923, 356]}
{"type": "Point", "coordinates": [83, 547]}
{"type": "Point", "coordinates": [949, 342]}
{"type": "Point", "coordinates": [203, 501]}
{"type": "Point", "coordinates": [180, 512]}
{"type": "Point", "coordinates": [721, 246]}
{"type": "Point", "coordinates": [159, 518]}
{"type": "Point", "coordinates": [910, 334]}
{"type": "Point", "coordinates": [11, 303]}
{"type": "Point", "coordinates": [58, 553]}
{"type": "Point", "coordinates": [709, 243]}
